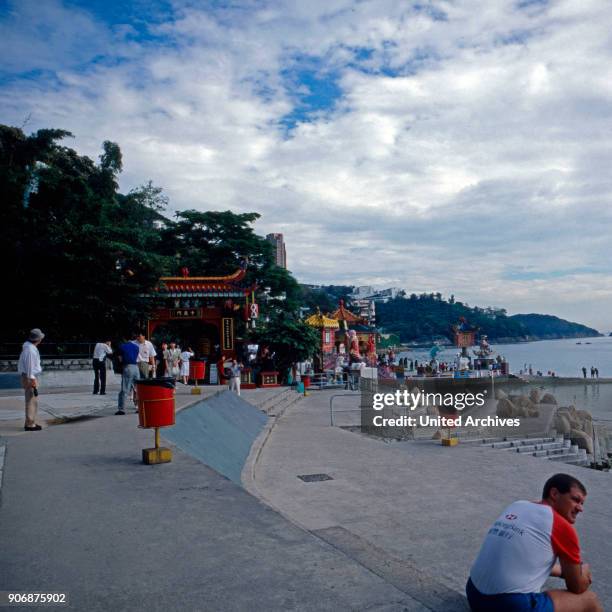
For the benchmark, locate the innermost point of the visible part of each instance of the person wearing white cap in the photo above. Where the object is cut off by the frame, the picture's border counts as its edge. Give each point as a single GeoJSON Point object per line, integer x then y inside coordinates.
{"type": "Point", "coordinates": [29, 367]}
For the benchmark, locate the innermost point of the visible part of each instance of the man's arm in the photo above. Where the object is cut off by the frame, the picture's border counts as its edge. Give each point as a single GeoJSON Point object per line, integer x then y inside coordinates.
{"type": "Point", "coordinates": [577, 576]}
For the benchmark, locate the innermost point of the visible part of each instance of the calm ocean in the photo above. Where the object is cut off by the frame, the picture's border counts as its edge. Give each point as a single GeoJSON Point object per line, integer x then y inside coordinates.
{"type": "Point", "coordinates": [565, 358]}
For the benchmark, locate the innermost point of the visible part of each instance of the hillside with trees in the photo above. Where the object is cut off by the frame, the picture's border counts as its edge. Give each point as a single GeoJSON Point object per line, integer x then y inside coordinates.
{"type": "Point", "coordinates": [427, 317]}
{"type": "Point", "coordinates": [324, 297]}
{"type": "Point", "coordinates": [549, 327]}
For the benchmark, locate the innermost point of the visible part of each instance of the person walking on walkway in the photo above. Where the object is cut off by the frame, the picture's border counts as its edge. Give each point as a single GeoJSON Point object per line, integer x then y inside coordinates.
{"type": "Point", "coordinates": [235, 372]}
{"type": "Point", "coordinates": [29, 368]}
{"type": "Point", "coordinates": [101, 351]}
{"type": "Point", "coordinates": [161, 368]}
{"type": "Point", "coordinates": [529, 542]}
{"type": "Point", "coordinates": [584, 372]}
{"type": "Point", "coordinates": [130, 373]}
{"type": "Point", "coordinates": [146, 356]}
{"type": "Point", "coordinates": [186, 355]}
{"type": "Point", "coordinates": [172, 357]}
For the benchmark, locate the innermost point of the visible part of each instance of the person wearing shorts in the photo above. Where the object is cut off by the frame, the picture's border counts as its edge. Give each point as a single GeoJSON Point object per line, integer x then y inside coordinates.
{"type": "Point", "coordinates": [529, 542]}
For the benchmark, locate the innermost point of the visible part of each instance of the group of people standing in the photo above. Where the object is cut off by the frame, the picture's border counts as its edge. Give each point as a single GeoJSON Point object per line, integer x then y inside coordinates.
{"type": "Point", "coordinates": [139, 359]}
{"type": "Point", "coordinates": [594, 372]}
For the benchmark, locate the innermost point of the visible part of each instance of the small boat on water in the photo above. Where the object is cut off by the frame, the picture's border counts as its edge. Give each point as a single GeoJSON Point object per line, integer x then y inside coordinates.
{"type": "Point", "coordinates": [578, 342]}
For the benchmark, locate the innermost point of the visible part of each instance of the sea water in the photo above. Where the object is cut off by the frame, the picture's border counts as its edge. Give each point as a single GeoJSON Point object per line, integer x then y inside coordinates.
{"type": "Point", "coordinates": [565, 358]}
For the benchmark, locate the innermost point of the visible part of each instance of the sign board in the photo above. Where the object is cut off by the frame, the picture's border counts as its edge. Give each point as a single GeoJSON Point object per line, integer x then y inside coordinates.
{"type": "Point", "coordinates": [228, 334]}
{"type": "Point", "coordinates": [464, 339]}
{"type": "Point", "coordinates": [186, 313]}
{"type": "Point", "coordinates": [213, 374]}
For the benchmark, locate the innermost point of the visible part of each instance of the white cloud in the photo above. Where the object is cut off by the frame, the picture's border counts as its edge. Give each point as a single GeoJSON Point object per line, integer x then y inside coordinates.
{"type": "Point", "coordinates": [468, 155]}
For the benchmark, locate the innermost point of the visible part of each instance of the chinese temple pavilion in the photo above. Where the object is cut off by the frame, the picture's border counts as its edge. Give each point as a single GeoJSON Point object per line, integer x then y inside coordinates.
{"type": "Point", "coordinates": [348, 320]}
{"type": "Point", "coordinates": [202, 311]}
{"type": "Point", "coordinates": [464, 334]}
{"type": "Point", "coordinates": [327, 327]}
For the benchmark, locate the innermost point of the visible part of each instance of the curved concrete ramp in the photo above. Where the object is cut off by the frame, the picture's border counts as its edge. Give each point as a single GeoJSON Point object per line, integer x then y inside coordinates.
{"type": "Point", "coordinates": [219, 432]}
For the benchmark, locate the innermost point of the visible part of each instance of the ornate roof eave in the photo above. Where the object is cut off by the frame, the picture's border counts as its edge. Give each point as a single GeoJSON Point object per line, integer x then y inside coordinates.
{"type": "Point", "coordinates": [230, 278]}
{"type": "Point", "coordinates": [320, 321]}
{"type": "Point", "coordinates": [344, 314]}
{"type": "Point", "coordinates": [204, 286]}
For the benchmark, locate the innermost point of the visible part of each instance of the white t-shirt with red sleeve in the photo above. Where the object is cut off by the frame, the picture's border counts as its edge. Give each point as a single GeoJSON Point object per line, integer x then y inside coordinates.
{"type": "Point", "coordinates": [521, 547]}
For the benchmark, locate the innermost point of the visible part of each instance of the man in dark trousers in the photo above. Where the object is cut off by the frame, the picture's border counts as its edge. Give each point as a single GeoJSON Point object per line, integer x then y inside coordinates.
{"type": "Point", "coordinates": [101, 351]}
{"type": "Point", "coordinates": [529, 542]}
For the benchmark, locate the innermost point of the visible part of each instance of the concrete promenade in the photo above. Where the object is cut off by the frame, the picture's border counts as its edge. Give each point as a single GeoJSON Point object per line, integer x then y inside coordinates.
{"type": "Point", "coordinates": [395, 528]}
{"type": "Point", "coordinates": [426, 507]}
{"type": "Point", "coordinates": [80, 513]}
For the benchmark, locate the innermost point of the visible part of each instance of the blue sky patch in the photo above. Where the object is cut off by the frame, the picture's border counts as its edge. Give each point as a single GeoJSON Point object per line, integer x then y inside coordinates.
{"type": "Point", "coordinates": [313, 90]}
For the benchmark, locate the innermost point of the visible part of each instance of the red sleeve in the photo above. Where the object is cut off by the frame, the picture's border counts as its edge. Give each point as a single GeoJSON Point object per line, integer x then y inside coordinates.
{"type": "Point", "coordinates": [564, 539]}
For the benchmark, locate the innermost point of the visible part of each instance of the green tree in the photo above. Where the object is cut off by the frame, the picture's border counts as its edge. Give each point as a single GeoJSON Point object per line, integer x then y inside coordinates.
{"type": "Point", "coordinates": [218, 243]}
{"type": "Point", "coordinates": [289, 338]}
{"type": "Point", "coordinates": [83, 254]}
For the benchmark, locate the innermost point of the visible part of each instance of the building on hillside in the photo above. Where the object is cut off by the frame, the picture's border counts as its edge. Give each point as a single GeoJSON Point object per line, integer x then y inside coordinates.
{"type": "Point", "coordinates": [364, 299]}
{"type": "Point", "coordinates": [366, 309]}
{"type": "Point", "coordinates": [280, 253]}
{"type": "Point", "coordinates": [377, 295]}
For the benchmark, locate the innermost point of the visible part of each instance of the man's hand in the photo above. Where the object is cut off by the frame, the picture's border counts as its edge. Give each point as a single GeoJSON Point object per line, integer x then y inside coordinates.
{"type": "Point", "coordinates": [586, 572]}
{"type": "Point", "coordinates": [577, 576]}
{"type": "Point", "coordinates": [33, 383]}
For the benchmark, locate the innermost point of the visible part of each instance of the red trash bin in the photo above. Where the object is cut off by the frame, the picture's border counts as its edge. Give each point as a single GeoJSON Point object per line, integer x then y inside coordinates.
{"type": "Point", "coordinates": [197, 369]}
{"type": "Point", "coordinates": [155, 402]}
{"type": "Point", "coordinates": [306, 381]}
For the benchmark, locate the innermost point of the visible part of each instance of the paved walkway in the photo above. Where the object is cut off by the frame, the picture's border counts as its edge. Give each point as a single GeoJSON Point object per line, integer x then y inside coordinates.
{"type": "Point", "coordinates": [396, 527]}
{"type": "Point", "coordinates": [426, 507]}
{"type": "Point", "coordinates": [79, 512]}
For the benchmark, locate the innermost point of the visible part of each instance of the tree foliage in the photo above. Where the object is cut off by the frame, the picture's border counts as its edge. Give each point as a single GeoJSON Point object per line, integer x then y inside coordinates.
{"type": "Point", "coordinates": [82, 253]}
{"type": "Point", "coordinates": [291, 339]}
{"type": "Point", "coordinates": [325, 297]}
{"type": "Point", "coordinates": [83, 256]}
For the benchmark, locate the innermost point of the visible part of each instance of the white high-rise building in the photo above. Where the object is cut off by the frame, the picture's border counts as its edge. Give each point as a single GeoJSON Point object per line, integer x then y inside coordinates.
{"type": "Point", "coordinates": [279, 249]}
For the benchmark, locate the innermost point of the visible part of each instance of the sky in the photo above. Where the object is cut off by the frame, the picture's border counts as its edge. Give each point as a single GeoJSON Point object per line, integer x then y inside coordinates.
{"type": "Point", "coordinates": [457, 146]}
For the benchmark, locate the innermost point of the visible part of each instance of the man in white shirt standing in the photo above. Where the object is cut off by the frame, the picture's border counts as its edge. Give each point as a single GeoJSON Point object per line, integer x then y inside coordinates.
{"type": "Point", "coordinates": [101, 350]}
{"type": "Point", "coordinates": [235, 371]}
{"type": "Point", "coordinates": [29, 367]}
{"type": "Point", "coordinates": [146, 356]}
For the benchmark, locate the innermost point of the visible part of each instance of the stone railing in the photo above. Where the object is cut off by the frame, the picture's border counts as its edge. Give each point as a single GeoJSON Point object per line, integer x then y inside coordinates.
{"type": "Point", "coordinates": [10, 365]}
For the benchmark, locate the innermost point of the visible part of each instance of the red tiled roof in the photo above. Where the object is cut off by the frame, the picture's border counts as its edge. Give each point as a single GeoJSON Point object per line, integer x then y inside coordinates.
{"type": "Point", "coordinates": [344, 314]}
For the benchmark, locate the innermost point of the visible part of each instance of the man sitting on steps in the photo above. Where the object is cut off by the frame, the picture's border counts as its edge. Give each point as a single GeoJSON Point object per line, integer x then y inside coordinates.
{"type": "Point", "coordinates": [521, 550]}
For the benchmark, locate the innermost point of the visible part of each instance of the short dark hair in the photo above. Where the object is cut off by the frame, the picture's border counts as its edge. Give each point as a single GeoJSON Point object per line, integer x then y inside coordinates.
{"type": "Point", "coordinates": [563, 483]}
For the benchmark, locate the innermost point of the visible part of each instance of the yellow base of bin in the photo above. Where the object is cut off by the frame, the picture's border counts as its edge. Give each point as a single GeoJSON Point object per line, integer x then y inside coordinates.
{"type": "Point", "coordinates": [151, 456]}
{"type": "Point", "coordinates": [450, 441]}
{"type": "Point", "coordinates": [196, 391]}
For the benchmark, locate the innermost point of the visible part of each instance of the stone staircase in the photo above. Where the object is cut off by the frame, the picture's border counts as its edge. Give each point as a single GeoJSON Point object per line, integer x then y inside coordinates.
{"type": "Point", "coordinates": [553, 448]}
{"type": "Point", "coordinates": [274, 402]}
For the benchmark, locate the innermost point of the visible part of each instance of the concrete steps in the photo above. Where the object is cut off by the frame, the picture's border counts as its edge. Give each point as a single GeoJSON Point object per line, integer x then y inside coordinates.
{"type": "Point", "coordinates": [275, 403]}
{"type": "Point", "coordinates": [553, 448]}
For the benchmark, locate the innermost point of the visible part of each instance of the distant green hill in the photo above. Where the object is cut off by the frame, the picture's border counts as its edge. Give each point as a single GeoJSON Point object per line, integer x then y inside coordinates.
{"type": "Point", "coordinates": [551, 327]}
{"type": "Point", "coordinates": [427, 317]}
